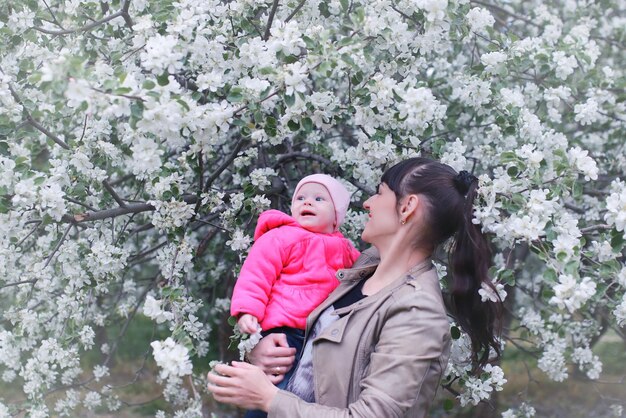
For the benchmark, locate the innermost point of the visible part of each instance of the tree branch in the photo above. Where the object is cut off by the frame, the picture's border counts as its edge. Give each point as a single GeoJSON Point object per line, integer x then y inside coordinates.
{"type": "Point", "coordinates": [295, 11]}
{"type": "Point", "coordinates": [601, 227]}
{"type": "Point", "coordinates": [112, 213]}
{"type": "Point", "coordinates": [85, 28]}
{"type": "Point", "coordinates": [36, 124]}
{"type": "Point", "coordinates": [54, 19]}
{"type": "Point", "coordinates": [17, 283]}
{"type": "Point", "coordinates": [130, 317]}
{"type": "Point", "coordinates": [113, 193]}
{"type": "Point", "coordinates": [213, 176]}
{"type": "Point", "coordinates": [270, 19]}
{"type": "Point", "coordinates": [123, 13]}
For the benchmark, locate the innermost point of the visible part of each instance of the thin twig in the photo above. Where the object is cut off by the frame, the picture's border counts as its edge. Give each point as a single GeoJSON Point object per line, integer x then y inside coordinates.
{"type": "Point", "coordinates": [114, 194]}
{"type": "Point", "coordinates": [85, 28]}
{"type": "Point", "coordinates": [67, 231]}
{"type": "Point", "coordinates": [295, 11]}
{"type": "Point", "coordinates": [503, 10]}
{"type": "Point", "coordinates": [33, 122]}
{"type": "Point", "coordinates": [54, 19]}
{"type": "Point", "coordinates": [126, 96]}
{"type": "Point", "coordinates": [78, 202]}
{"type": "Point", "coordinates": [19, 244]}
{"type": "Point", "coordinates": [270, 19]}
{"type": "Point", "coordinates": [17, 283]}
{"type": "Point", "coordinates": [213, 176]}
{"type": "Point", "coordinates": [130, 317]}
{"type": "Point", "coordinates": [601, 227]}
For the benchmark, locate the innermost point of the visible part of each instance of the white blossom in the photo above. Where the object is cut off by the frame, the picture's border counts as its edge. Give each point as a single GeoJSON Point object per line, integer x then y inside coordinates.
{"type": "Point", "coordinates": [488, 294]}
{"type": "Point", "coordinates": [570, 294]}
{"type": "Point", "coordinates": [152, 309]}
{"type": "Point", "coordinates": [616, 206]}
{"type": "Point", "coordinates": [172, 358]}
{"type": "Point", "coordinates": [160, 54]}
{"type": "Point", "coordinates": [479, 19]}
{"type": "Point", "coordinates": [239, 241]}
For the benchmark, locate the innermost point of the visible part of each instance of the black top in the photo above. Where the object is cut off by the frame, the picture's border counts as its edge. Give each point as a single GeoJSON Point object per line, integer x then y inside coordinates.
{"type": "Point", "coordinates": [354, 295]}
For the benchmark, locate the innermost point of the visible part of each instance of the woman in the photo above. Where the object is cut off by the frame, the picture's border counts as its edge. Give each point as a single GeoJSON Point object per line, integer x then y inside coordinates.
{"type": "Point", "coordinates": [378, 346]}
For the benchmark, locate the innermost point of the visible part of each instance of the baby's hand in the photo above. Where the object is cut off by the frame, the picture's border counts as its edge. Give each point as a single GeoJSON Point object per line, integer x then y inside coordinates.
{"type": "Point", "coordinates": [248, 323]}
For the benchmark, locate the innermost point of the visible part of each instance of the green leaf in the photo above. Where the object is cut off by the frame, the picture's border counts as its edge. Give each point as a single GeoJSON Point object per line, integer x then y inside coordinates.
{"type": "Point", "coordinates": [290, 59]}
{"type": "Point", "coordinates": [310, 43]}
{"type": "Point", "coordinates": [455, 333]}
{"type": "Point", "coordinates": [510, 130]}
{"type": "Point", "coordinates": [290, 100]}
{"type": "Point", "coordinates": [507, 277]}
{"type": "Point", "coordinates": [270, 126]}
{"type": "Point", "coordinates": [293, 125]}
{"type": "Point", "coordinates": [163, 79]}
{"type": "Point", "coordinates": [184, 104]}
{"type": "Point", "coordinates": [307, 124]}
{"type": "Point", "coordinates": [550, 276]}
{"type": "Point", "coordinates": [239, 122]}
{"type": "Point", "coordinates": [348, 59]}
{"type": "Point", "coordinates": [357, 78]}
{"type": "Point", "coordinates": [148, 85]}
{"type": "Point", "coordinates": [512, 171]}
{"type": "Point", "coordinates": [323, 8]}
{"type": "Point", "coordinates": [617, 240]}
{"type": "Point", "coordinates": [577, 189]}
{"type": "Point", "coordinates": [235, 95]}
{"type": "Point", "coordinates": [448, 405]}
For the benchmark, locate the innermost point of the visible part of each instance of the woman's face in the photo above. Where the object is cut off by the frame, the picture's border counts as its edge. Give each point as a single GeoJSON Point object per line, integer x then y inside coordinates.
{"type": "Point", "coordinates": [383, 215]}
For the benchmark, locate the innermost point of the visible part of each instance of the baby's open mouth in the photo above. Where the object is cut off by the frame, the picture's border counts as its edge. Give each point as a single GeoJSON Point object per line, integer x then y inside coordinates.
{"type": "Point", "coordinates": [307, 213]}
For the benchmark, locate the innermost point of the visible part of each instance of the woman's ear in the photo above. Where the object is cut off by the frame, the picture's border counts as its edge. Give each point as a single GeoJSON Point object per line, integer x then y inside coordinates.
{"type": "Point", "coordinates": [409, 206]}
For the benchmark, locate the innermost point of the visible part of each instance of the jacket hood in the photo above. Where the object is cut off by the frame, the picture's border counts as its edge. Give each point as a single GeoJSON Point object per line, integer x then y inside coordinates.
{"type": "Point", "coordinates": [272, 219]}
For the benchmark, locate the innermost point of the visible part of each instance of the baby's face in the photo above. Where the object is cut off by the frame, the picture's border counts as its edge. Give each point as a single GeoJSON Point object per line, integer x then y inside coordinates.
{"type": "Point", "coordinates": [313, 208]}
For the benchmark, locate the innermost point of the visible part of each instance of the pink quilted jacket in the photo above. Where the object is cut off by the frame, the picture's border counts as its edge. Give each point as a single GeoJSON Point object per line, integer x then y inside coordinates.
{"type": "Point", "coordinates": [289, 271]}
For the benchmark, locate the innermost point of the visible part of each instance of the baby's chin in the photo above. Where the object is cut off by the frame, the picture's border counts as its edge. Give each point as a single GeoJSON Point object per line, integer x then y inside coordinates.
{"type": "Point", "coordinates": [323, 229]}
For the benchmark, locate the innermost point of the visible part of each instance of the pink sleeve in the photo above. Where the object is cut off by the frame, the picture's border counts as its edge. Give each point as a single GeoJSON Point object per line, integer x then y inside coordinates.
{"type": "Point", "coordinates": [258, 274]}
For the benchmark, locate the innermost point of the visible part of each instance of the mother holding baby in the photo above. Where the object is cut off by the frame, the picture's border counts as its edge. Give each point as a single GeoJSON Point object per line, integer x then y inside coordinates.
{"type": "Point", "coordinates": [378, 346]}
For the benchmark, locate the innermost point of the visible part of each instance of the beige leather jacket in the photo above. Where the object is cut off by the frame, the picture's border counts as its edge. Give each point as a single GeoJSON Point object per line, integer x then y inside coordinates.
{"type": "Point", "coordinates": [384, 358]}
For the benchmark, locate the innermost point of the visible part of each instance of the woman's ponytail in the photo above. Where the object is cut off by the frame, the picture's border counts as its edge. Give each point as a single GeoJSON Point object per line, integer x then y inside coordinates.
{"type": "Point", "coordinates": [469, 261]}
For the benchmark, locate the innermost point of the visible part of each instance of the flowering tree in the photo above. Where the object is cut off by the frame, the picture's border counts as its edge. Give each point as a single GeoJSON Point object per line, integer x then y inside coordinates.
{"type": "Point", "coordinates": [139, 141]}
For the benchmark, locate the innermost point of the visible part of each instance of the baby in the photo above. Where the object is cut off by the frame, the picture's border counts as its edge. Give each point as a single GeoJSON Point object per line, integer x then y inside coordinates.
{"type": "Point", "coordinates": [291, 266]}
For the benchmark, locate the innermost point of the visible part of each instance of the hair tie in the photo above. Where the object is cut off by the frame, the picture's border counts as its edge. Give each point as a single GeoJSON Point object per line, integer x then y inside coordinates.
{"type": "Point", "coordinates": [463, 181]}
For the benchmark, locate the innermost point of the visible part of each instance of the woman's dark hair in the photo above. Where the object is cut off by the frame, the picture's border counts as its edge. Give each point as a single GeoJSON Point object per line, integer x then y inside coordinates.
{"type": "Point", "coordinates": [449, 197]}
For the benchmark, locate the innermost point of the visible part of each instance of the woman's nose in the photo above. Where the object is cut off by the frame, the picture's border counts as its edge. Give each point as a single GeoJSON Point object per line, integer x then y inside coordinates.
{"type": "Point", "coordinates": [366, 204]}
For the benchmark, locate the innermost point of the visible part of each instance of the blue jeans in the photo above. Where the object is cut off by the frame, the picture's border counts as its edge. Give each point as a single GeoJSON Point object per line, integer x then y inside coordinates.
{"type": "Point", "coordinates": [295, 339]}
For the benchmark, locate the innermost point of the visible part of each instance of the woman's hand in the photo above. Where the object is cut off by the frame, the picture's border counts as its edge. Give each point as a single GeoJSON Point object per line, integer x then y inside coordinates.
{"type": "Point", "coordinates": [243, 385]}
{"type": "Point", "coordinates": [274, 356]}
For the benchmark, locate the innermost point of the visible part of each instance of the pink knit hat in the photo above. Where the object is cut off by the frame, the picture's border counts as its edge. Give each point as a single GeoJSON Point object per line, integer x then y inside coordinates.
{"type": "Point", "coordinates": [338, 193]}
